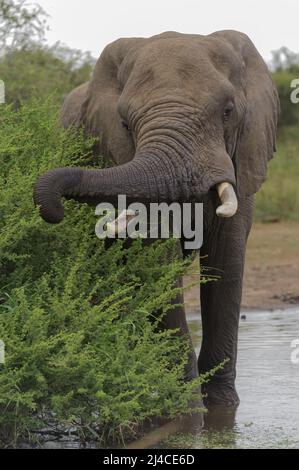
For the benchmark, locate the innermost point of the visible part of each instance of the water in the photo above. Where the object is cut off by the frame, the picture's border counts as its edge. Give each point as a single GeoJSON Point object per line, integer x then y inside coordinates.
{"type": "Point", "coordinates": [268, 386]}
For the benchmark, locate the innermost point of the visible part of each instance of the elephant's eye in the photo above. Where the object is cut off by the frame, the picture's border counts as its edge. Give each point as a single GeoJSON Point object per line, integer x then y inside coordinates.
{"type": "Point", "coordinates": [228, 111]}
{"type": "Point", "coordinates": [125, 125]}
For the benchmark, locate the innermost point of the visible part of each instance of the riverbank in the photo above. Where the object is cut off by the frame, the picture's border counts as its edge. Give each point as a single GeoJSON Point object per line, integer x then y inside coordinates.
{"type": "Point", "coordinates": [271, 271]}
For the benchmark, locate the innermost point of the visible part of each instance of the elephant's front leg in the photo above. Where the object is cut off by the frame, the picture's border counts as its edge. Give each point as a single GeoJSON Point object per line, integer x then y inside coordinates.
{"type": "Point", "coordinates": [223, 249]}
{"type": "Point", "coordinates": [175, 319]}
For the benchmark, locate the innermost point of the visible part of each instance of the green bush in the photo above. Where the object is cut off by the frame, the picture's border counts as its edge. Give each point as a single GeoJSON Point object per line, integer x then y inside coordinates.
{"type": "Point", "coordinates": [78, 321]}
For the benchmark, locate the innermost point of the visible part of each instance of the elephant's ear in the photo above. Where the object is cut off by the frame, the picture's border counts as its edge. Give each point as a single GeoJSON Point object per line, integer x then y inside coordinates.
{"type": "Point", "coordinates": [99, 111]}
{"type": "Point", "coordinates": [256, 141]}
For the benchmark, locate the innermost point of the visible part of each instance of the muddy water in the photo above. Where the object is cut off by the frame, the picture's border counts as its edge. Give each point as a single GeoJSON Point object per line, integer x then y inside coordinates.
{"type": "Point", "coordinates": [268, 386]}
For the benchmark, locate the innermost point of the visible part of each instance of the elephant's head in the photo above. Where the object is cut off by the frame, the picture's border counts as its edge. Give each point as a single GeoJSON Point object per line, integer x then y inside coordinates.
{"type": "Point", "coordinates": [181, 115]}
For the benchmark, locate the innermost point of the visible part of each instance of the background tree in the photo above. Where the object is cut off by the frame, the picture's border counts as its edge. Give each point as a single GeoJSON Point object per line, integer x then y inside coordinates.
{"type": "Point", "coordinates": [284, 59]}
{"type": "Point", "coordinates": [20, 23]}
{"type": "Point", "coordinates": [40, 71]}
{"type": "Point", "coordinates": [30, 68]}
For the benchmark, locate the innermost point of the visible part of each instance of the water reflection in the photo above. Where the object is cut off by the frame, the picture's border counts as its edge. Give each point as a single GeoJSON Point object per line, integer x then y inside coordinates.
{"type": "Point", "coordinates": [220, 418]}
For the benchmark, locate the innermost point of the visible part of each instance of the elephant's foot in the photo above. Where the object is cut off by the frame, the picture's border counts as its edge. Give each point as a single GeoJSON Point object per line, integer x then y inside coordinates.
{"type": "Point", "coordinates": [220, 393]}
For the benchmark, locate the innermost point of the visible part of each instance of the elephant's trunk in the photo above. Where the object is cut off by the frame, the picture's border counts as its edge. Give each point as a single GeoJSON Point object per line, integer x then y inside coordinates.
{"type": "Point", "coordinates": [146, 178]}
{"type": "Point", "coordinates": [167, 175]}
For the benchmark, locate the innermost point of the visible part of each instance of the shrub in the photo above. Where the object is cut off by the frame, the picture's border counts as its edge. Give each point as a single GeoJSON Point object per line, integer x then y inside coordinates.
{"type": "Point", "coordinates": [78, 321]}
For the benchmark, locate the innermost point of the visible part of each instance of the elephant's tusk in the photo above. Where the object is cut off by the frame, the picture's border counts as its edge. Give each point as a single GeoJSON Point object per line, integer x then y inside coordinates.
{"type": "Point", "coordinates": [120, 224]}
{"type": "Point", "coordinates": [229, 200]}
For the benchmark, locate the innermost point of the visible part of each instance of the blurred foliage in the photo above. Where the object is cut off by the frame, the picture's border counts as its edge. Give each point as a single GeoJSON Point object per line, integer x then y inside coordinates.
{"type": "Point", "coordinates": [40, 71]}
{"type": "Point", "coordinates": [285, 67]}
{"type": "Point", "coordinates": [289, 114]}
{"type": "Point", "coordinates": [21, 22]}
{"type": "Point", "coordinates": [79, 321]}
{"type": "Point", "coordinates": [278, 198]}
{"type": "Point", "coordinates": [28, 67]}
{"type": "Point", "coordinates": [284, 59]}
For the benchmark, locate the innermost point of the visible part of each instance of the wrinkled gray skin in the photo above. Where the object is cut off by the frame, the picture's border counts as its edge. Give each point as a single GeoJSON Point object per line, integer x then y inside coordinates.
{"type": "Point", "coordinates": [179, 114]}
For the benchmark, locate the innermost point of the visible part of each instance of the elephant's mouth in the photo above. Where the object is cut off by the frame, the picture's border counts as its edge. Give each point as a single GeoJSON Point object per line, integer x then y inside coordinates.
{"type": "Point", "coordinates": [228, 208]}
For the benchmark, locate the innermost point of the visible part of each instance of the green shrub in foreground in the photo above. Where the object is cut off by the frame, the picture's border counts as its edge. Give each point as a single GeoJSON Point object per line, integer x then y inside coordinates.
{"type": "Point", "coordinates": [77, 320]}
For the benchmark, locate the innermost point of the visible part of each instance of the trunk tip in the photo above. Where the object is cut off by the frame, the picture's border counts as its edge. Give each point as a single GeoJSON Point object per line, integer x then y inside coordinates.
{"type": "Point", "coordinates": [48, 199]}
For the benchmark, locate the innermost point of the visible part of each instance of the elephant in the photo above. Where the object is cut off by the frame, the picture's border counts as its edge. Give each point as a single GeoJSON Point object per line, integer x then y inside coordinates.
{"type": "Point", "coordinates": [182, 117]}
